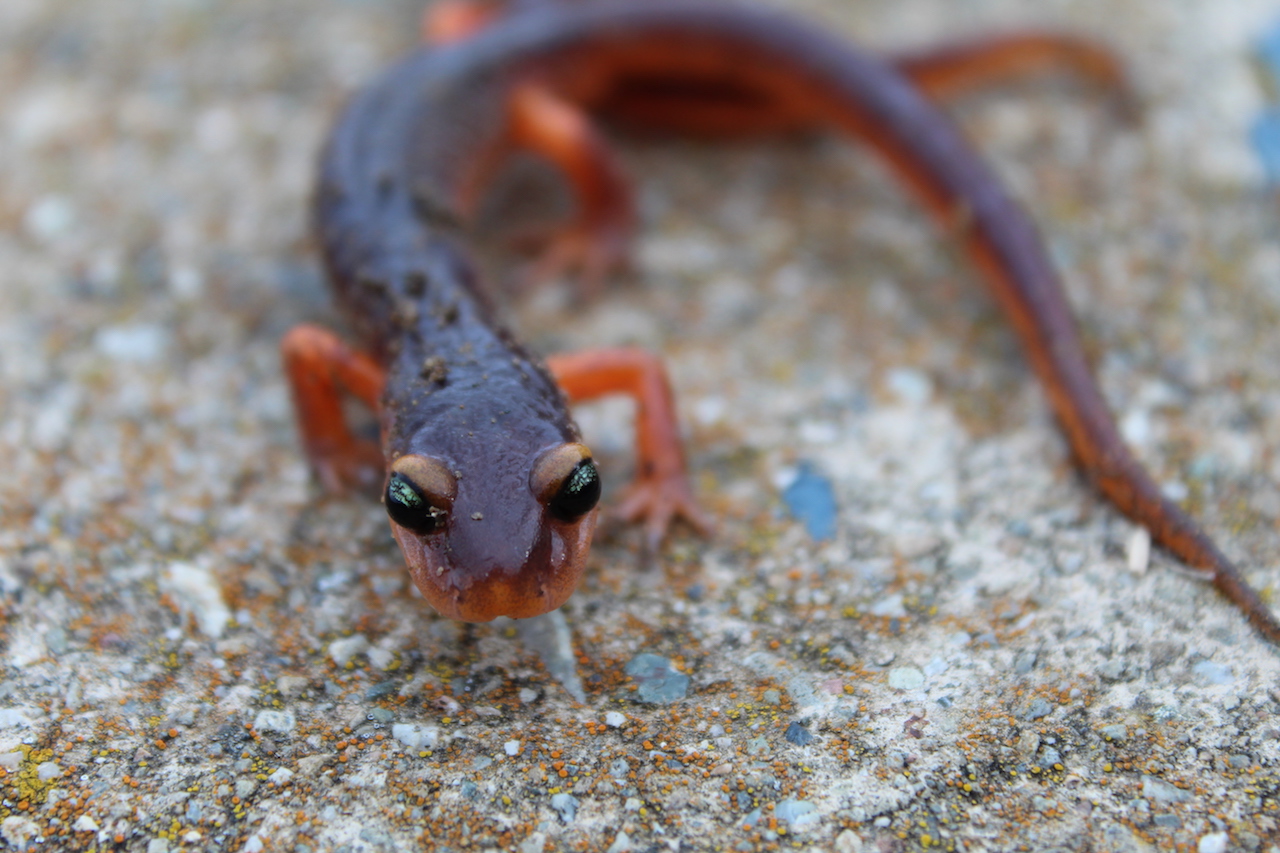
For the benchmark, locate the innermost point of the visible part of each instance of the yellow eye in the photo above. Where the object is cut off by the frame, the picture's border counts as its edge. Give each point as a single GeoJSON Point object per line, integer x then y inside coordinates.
{"type": "Point", "coordinates": [566, 481]}
{"type": "Point", "coordinates": [420, 493]}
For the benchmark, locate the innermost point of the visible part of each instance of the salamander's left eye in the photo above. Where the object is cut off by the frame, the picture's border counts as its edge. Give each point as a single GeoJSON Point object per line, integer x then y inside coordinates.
{"type": "Point", "coordinates": [420, 493]}
{"type": "Point", "coordinates": [566, 481]}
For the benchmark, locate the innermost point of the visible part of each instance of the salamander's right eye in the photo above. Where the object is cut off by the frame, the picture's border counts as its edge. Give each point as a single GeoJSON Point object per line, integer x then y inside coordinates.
{"type": "Point", "coordinates": [566, 481]}
{"type": "Point", "coordinates": [420, 493]}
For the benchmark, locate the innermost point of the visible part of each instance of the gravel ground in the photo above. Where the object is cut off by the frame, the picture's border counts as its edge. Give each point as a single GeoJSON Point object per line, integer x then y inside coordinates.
{"type": "Point", "coordinates": [202, 652]}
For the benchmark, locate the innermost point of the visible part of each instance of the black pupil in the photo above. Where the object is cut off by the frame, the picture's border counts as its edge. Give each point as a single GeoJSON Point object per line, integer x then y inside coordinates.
{"type": "Point", "coordinates": [410, 509]}
{"type": "Point", "coordinates": [578, 494]}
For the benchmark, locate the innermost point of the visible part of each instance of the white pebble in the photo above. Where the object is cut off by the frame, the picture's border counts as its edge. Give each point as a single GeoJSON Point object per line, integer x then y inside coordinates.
{"type": "Point", "coordinates": [615, 720]}
{"type": "Point", "coordinates": [415, 736]}
{"type": "Point", "coordinates": [906, 678]}
{"type": "Point", "coordinates": [50, 217]}
{"type": "Point", "coordinates": [381, 658]}
{"type": "Point", "coordinates": [19, 832]}
{"type": "Point", "coordinates": [196, 591]}
{"type": "Point", "coordinates": [512, 748]}
{"type": "Point", "coordinates": [280, 776]}
{"type": "Point", "coordinates": [342, 651]}
{"type": "Point", "coordinates": [1138, 550]}
{"type": "Point", "coordinates": [135, 343]}
{"type": "Point", "coordinates": [911, 386]}
{"type": "Point", "coordinates": [275, 721]}
{"type": "Point", "coordinates": [891, 606]}
{"type": "Point", "coordinates": [1214, 842]}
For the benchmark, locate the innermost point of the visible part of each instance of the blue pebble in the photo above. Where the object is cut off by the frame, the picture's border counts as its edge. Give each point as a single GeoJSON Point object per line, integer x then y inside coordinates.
{"type": "Point", "coordinates": [659, 683]}
{"type": "Point", "coordinates": [811, 501]}
{"type": "Point", "coordinates": [799, 735]}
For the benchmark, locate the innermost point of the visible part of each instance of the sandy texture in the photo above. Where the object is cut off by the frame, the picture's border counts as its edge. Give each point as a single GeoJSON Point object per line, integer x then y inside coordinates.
{"type": "Point", "coordinates": [202, 653]}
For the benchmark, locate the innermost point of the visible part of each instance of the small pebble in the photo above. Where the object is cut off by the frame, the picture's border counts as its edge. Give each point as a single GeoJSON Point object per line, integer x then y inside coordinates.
{"type": "Point", "coordinates": [341, 651]}
{"type": "Point", "coordinates": [280, 776]}
{"type": "Point", "coordinates": [810, 500]}
{"type": "Point", "coordinates": [911, 386]}
{"type": "Point", "coordinates": [380, 691]}
{"type": "Point", "coordinates": [1214, 842]}
{"type": "Point", "coordinates": [283, 722]}
{"type": "Point", "coordinates": [550, 637]}
{"type": "Point", "coordinates": [799, 735]}
{"type": "Point", "coordinates": [1213, 673]}
{"type": "Point", "coordinates": [512, 748]}
{"type": "Point", "coordinates": [891, 606]}
{"type": "Point", "coordinates": [1115, 669]}
{"type": "Point", "coordinates": [1138, 551]}
{"type": "Point", "coordinates": [659, 683]}
{"type": "Point", "coordinates": [566, 805]}
{"type": "Point", "coordinates": [1159, 791]}
{"type": "Point", "coordinates": [906, 678]}
{"type": "Point", "coordinates": [535, 843]}
{"type": "Point", "coordinates": [1025, 661]}
{"type": "Point", "coordinates": [615, 720]}
{"type": "Point", "coordinates": [848, 842]}
{"type": "Point", "coordinates": [19, 832]}
{"type": "Point", "coordinates": [195, 588]}
{"type": "Point", "coordinates": [137, 343]}
{"type": "Point", "coordinates": [50, 218]}
{"type": "Point", "coordinates": [1038, 708]}
{"type": "Point", "coordinates": [414, 736]}
{"type": "Point", "coordinates": [382, 659]}
{"type": "Point", "coordinates": [621, 844]}
{"type": "Point", "coordinates": [796, 812]}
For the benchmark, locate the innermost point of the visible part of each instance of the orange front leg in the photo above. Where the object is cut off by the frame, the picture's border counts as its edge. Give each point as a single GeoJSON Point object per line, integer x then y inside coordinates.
{"type": "Point", "coordinates": [661, 489]}
{"type": "Point", "coordinates": [320, 367]}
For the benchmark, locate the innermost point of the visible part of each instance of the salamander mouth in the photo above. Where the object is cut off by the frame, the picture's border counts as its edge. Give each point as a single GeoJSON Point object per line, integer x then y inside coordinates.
{"type": "Point", "coordinates": [545, 581]}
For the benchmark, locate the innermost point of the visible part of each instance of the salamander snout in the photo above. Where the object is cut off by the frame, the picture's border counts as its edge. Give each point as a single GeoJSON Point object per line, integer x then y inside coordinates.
{"type": "Point", "coordinates": [478, 548]}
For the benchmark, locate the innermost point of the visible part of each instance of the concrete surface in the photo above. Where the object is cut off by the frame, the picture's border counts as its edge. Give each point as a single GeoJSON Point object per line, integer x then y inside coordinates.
{"type": "Point", "coordinates": [202, 653]}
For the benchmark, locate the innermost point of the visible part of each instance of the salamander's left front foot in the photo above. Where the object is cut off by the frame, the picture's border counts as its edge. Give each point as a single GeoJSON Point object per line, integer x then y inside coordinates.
{"type": "Point", "coordinates": [661, 492]}
{"type": "Point", "coordinates": [659, 502]}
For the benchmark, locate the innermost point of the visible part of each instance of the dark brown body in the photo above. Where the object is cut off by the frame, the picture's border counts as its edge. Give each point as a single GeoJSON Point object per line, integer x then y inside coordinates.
{"type": "Point", "coordinates": [415, 143]}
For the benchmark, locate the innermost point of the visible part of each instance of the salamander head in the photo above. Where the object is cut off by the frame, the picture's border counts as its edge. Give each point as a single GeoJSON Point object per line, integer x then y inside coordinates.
{"type": "Point", "coordinates": [481, 548]}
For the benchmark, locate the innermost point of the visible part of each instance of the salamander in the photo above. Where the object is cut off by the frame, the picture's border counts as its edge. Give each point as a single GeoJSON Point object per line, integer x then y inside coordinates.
{"type": "Point", "coordinates": [489, 489]}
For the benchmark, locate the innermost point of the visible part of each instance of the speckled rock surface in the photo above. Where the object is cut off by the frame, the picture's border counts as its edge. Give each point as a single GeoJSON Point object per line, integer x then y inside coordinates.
{"type": "Point", "coordinates": [202, 653]}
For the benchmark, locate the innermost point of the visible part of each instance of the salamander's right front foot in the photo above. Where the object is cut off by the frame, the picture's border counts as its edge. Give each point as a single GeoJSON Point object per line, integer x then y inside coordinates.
{"type": "Point", "coordinates": [320, 367]}
{"type": "Point", "coordinates": [358, 467]}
